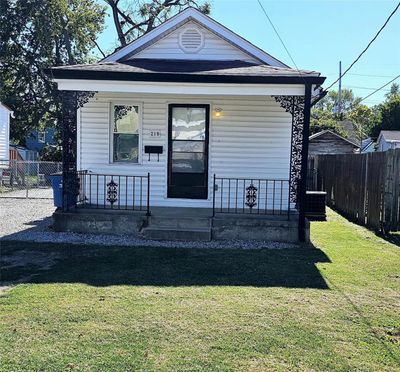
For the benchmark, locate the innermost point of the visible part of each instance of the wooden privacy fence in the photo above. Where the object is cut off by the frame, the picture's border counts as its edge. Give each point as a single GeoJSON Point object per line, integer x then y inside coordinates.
{"type": "Point", "coordinates": [363, 187]}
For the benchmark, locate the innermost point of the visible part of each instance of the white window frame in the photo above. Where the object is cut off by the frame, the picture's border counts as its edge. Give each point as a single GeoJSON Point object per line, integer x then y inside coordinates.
{"type": "Point", "coordinates": [39, 134]}
{"type": "Point", "coordinates": [111, 132]}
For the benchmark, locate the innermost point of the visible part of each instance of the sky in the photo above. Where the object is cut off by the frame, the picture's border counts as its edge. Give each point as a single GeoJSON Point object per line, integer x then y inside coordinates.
{"type": "Point", "coordinates": [318, 34]}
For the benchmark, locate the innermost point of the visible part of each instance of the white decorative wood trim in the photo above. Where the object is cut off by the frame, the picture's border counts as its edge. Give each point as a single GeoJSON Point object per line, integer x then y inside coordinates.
{"type": "Point", "coordinates": [182, 88]}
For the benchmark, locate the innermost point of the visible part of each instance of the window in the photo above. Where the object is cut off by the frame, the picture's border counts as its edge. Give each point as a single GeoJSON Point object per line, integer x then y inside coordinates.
{"type": "Point", "coordinates": [125, 133]}
{"type": "Point", "coordinates": [41, 137]}
{"type": "Point", "coordinates": [188, 137]}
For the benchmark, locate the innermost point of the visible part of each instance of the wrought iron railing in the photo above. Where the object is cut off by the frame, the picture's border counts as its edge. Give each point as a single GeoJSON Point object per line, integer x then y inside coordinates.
{"type": "Point", "coordinates": [107, 191]}
{"type": "Point", "coordinates": [251, 196]}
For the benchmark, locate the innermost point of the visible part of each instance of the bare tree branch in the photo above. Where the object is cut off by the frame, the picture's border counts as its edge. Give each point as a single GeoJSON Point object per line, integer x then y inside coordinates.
{"type": "Point", "coordinates": [98, 47]}
{"type": "Point", "coordinates": [148, 15]}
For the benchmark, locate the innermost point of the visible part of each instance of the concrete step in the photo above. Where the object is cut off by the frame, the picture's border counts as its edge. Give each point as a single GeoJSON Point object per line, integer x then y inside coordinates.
{"type": "Point", "coordinates": [165, 233]}
{"type": "Point", "coordinates": [180, 222]}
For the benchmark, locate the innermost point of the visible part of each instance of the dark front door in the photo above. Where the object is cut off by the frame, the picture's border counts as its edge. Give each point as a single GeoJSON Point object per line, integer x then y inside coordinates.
{"type": "Point", "coordinates": [188, 151]}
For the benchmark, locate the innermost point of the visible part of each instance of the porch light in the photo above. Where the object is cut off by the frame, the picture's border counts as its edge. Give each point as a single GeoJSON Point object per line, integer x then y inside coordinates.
{"type": "Point", "coordinates": [218, 111]}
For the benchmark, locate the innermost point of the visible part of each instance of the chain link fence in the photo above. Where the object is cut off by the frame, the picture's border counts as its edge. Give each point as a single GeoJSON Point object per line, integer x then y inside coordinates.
{"type": "Point", "coordinates": [27, 179]}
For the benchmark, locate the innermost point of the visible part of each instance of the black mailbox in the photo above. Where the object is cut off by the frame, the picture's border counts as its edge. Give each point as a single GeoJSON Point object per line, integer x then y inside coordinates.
{"type": "Point", "coordinates": [153, 150]}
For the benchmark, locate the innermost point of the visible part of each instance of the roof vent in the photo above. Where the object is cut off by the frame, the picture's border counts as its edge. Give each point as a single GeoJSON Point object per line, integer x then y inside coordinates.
{"type": "Point", "coordinates": [191, 40]}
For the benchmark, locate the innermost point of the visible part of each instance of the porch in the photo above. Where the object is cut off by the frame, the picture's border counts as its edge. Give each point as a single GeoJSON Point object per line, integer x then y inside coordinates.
{"type": "Point", "coordinates": [242, 209]}
{"type": "Point", "coordinates": [224, 149]}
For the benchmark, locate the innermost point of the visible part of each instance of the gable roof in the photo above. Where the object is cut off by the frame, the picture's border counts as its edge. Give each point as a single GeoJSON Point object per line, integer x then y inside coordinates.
{"type": "Point", "coordinates": [390, 135]}
{"type": "Point", "coordinates": [192, 14]}
{"type": "Point", "coordinates": [327, 131]}
{"type": "Point", "coordinates": [6, 107]}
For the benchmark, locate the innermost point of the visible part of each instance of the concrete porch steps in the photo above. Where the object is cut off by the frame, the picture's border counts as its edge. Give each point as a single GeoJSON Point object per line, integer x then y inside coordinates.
{"type": "Point", "coordinates": [184, 222]}
{"type": "Point", "coordinates": [175, 227]}
{"type": "Point", "coordinates": [166, 233]}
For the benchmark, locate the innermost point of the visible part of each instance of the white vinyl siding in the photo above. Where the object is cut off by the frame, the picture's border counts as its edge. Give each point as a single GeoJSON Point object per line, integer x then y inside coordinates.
{"type": "Point", "coordinates": [4, 134]}
{"type": "Point", "coordinates": [214, 48]}
{"type": "Point", "coordinates": [250, 139]}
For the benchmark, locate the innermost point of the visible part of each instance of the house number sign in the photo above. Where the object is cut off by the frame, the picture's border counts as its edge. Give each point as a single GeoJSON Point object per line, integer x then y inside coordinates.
{"type": "Point", "coordinates": [155, 133]}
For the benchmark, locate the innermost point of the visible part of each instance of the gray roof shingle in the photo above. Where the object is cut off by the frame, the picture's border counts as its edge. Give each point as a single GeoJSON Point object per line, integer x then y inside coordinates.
{"type": "Point", "coordinates": [188, 67]}
{"type": "Point", "coordinates": [391, 135]}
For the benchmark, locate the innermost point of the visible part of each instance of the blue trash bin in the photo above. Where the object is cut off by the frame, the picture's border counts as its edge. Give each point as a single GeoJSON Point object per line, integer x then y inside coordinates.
{"type": "Point", "coordinates": [56, 183]}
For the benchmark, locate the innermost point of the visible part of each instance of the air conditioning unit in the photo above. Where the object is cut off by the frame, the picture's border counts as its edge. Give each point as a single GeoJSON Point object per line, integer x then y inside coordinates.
{"type": "Point", "coordinates": [316, 205]}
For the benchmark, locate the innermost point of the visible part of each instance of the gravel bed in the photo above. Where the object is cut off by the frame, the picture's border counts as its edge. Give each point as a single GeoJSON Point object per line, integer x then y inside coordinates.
{"type": "Point", "coordinates": [30, 220]}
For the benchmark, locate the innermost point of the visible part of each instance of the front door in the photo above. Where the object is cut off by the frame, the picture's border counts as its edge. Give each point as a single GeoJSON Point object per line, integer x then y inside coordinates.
{"type": "Point", "coordinates": [188, 151]}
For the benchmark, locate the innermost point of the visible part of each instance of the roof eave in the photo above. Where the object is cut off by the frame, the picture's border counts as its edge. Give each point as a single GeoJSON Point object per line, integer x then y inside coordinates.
{"type": "Point", "coordinates": [181, 78]}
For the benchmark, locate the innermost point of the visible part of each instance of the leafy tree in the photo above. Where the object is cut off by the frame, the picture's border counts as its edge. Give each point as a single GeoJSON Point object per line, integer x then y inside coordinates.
{"type": "Point", "coordinates": [135, 18]}
{"type": "Point", "coordinates": [34, 35]}
{"type": "Point", "coordinates": [388, 116]}
{"type": "Point", "coordinates": [363, 119]}
{"type": "Point", "coordinates": [51, 153]}
{"type": "Point", "coordinates": [322, 119]}
{"type": "Point", "coordinates": [394, 91]}
{"type": "Point", "coordinates": [324, 114]}
{"type": "Point", "coordinates": [330, 102]}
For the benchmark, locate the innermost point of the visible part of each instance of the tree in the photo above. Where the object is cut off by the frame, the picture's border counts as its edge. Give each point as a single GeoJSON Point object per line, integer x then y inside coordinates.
{"type": "Point", "coordinates": [388, 116]}
{"type": "Point", "coordinates": [330, 102]}
{"type": "Point", "coordinates": [363, 119]}
{"type": "Point", "coordinates": [324, 114]}
{"type": "Point", "coordinates": [324, 120]}
{"type": "Point", "coordinates": [51, 153]}
{"type": "Point", "coordinates": [394, 91]}
{"type": "Point", "coordinates": [133, 19]}
{"type": "Point", "coordinates": [34, 35]}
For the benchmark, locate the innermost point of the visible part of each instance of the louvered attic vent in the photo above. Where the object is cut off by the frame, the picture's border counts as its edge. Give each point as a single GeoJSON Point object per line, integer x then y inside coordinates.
{"type": "Point", "coordinates": [191, 40]}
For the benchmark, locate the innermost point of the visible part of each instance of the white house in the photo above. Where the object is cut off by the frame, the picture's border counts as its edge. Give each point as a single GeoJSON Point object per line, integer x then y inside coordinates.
{"type": "Point", "coordinates": [5, 114]}
{"type": "Point", "coordinates": [189, 116]}
{"type": "Point", "coordinates": [388, 139]}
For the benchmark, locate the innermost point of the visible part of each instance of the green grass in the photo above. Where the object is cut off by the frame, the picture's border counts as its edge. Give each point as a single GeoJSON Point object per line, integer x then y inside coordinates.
{"type": "Point", "coordinates": [335, 307]}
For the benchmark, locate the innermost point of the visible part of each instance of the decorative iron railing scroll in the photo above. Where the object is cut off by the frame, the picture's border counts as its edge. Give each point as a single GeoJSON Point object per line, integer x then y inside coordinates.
{"type": "Point", "coordinates": [71, 102]}
{"type": "Point", "coordinates": [250, 196]}
{"type": "Point", "coordinates": [295, 106]}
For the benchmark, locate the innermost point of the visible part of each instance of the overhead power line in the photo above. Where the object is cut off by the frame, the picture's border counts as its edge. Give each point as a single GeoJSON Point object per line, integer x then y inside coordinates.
{"type": "Point", "coordinates": [367, 75]}
{"type": "Point", "coordinates": [358, 87]}
{"type": "Point", "coordinates": [366, 48]}
{"type": "Point", "coordinates": [380, 88]}
{"type": "Point", "coordinates": [279, 37]}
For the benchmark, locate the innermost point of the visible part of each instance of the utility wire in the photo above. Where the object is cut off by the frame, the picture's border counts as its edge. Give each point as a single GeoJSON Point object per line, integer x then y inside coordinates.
{"type": "Point", "coordinates": [357, 87]}
{"type": "Point", "coordinates": [380, 88]}
{"type": "Point", "coordinates": [377, 76]}
{"type": "Point", "coordinates": [279, 37]}
{"type": "Point", "coordinates": [366, 48]}
{"type": "Point", "coordinates": [367, 75]}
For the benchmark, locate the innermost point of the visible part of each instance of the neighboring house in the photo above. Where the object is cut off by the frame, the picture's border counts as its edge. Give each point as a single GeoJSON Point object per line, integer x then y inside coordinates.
{"type": "Point", "coordinates": [5, 115]}
{"type": "Point", "coordinates": [388, 139]}
{"type": "Point", "coordinates": [37, 140]}
{"type": "Point", "coordinates": [328, 142]}
{"type": "Point", "coordinates": [368, 145]}
{"type": "Point", "coordinates": [21, 153]}
{"type": "Point", "coordinates": [189, 123]}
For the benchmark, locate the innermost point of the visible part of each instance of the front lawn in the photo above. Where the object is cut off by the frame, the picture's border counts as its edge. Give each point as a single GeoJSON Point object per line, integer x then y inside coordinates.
{"type": "Point", "coordinates": [335, 307]}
